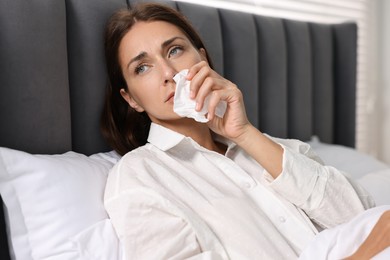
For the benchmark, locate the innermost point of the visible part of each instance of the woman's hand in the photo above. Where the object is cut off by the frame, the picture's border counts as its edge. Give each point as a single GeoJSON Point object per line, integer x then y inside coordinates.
{"type": "Point", "coordinates": [234, 125]}
{"type": "Point", "coordinates": [204, 82]}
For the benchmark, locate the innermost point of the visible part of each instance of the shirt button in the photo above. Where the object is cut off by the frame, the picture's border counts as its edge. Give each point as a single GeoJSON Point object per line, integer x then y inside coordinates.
{"type": "Point", "coordinates": [282, 219]}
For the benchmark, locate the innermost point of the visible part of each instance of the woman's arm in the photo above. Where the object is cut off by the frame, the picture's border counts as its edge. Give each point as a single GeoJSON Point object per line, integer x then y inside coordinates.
{"type": "Point", "coordinates": [322, 192]}
{"type": "Point", "coordinates": [265, 151]}
{"type": "Point", "coordinates": [235, 124]}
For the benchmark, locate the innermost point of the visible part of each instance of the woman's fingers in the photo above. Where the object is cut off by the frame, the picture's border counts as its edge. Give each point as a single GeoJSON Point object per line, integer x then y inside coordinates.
{"type": "Point", "coordinates": [204, 82]}
{"type": "Point", "coordinates": [215, 97]}
{"type": "Point", "coordinates": [232, 96]}
{"type": "Point", "coordinates": [197, 81]}
{"type": "Point", "coordinates": [196, 75]}
{"type": "Point", "coordinates": [195, 69]}
{"type": "Point", "coordinates": [208, 87]}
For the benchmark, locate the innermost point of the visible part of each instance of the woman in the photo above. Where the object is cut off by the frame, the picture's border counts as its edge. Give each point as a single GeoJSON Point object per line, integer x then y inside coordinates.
{"type": "Point", "coordinates": [214, 190]}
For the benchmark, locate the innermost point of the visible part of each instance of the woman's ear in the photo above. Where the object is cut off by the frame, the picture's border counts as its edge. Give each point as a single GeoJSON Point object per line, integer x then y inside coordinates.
{"type": "Point", "coordinates": [203, 54]}
{"type": "Point", "coordinates": [130, 100]}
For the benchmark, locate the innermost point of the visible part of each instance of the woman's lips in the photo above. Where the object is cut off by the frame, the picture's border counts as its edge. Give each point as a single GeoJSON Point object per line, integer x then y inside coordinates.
{"type": "Point", "coordinates": [170, 97]}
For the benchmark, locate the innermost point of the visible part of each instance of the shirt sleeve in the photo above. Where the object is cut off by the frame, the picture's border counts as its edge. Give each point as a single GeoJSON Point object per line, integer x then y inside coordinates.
{"type": "Point", "coordinates": [327, 195]}
{"type": "Point", "coordinates": [148, 228]}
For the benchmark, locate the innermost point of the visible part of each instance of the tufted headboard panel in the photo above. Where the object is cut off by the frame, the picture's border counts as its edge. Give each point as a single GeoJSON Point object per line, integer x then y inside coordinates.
{"type": "Point", "coordinates": [298, 78]}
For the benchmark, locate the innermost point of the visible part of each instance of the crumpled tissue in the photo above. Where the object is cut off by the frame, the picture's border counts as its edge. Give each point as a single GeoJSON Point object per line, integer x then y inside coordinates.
{"type": "Point", "coordinates": [184, 106]}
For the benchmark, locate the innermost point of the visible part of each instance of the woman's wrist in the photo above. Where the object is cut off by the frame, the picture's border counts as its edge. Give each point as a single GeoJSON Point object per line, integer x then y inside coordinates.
{"type": "Point", "coordinates": [246, 135]}
{"type": "Point", "coordinates": [261, 148]}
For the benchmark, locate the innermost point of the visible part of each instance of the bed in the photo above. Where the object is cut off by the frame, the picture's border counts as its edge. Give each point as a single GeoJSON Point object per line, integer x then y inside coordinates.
{"type": "Point", "coordinates": [298, 80]}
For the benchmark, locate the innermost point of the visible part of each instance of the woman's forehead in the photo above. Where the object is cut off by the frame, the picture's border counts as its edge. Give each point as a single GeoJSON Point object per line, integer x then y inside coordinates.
{"type": "Point", "coordinates": [153, 31]}
{"type": "Point", "coordinates": [147, 37]}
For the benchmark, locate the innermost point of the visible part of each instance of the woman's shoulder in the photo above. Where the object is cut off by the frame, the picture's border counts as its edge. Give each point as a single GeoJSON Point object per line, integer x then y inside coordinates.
{"type": "Point", "coordinates": [140, 152]}
{"type": "Point", "coordinates": [130, 171]}
{"type": "Point", "coordinates": [138, 162]}
{"type": "Point", "coordinates": [136, 158]}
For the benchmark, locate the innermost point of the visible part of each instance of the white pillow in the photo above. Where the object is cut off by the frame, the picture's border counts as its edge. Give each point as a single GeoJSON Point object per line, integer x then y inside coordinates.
{"type": "Point", "coordinates": [347, 159]}
{"type": "Point", "coordinates": [378, 185]}
{"type": "Point", "coordinates": [51, 198]}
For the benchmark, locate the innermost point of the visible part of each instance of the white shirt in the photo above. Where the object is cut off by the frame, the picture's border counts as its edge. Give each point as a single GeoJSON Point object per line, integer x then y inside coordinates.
{"type": "Point", "coordinates": [173, 199]}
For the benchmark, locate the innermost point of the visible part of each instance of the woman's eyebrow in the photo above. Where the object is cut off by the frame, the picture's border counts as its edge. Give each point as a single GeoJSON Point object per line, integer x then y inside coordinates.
{"type": "Point", "coordinates": [144, 54]}
{"type": "Point", "coordinates": [169, 41]}
{"type": "Point", "coordinates": [137, 58]}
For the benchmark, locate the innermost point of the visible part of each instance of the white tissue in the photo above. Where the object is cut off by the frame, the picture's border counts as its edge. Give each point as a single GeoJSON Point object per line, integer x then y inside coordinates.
{"type": "Point", "coordinates": [184, 106]}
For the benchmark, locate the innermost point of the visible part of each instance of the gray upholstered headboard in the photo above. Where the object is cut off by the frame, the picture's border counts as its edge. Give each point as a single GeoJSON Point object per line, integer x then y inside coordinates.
{"type": "Point", "coordinates": [298, 78]}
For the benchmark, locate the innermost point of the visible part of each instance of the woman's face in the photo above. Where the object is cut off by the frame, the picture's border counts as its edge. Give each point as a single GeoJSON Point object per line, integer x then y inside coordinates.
{"type": "Point", "coordinates": [150, 54]}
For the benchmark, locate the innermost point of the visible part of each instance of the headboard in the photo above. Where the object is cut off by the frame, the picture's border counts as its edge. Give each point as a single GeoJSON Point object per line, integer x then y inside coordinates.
{"type": "Point", "coordinates": [298, 78]}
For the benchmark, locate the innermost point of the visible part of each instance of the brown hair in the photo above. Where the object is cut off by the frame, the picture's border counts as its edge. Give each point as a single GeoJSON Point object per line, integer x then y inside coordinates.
{"type": "Point", "coordinates": [124, 128]}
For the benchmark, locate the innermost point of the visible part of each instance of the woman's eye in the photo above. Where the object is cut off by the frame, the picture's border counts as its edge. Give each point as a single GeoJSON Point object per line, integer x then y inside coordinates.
{"type": "Point", "coordinates": [141, 69]}
{"type": "Point", "coordinates": [175, 50]}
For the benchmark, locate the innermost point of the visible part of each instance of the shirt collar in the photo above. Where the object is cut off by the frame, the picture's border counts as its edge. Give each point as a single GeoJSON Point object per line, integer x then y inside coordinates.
{"type": "Point", "coordinates": [164, 138]}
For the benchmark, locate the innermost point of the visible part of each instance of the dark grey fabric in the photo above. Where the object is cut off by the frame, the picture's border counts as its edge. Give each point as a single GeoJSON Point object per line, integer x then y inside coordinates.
{"type": "Point", "coordinates": [87, 71]}
{"type": "Point", "coordinates": [272, 76]}
{"type": "Point", "coordinates": [298, 79]}
{"type": "Point", "coordinates": [34, 95]}
{"type": "Point", "coordinates": [240, 57]}
{"type": "Point", "coordinates": [291, 73]}
{"type": "Point", "coordinates": [165, 2]}
{"type": "Point", "coordinates": [345, 41]}
{"type": "Point", "coordinates": [323, 83]}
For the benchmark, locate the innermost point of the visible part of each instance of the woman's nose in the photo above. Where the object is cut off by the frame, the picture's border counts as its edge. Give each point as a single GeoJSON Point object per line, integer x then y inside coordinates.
{"type": "Point", "coordinates": [168, 72]}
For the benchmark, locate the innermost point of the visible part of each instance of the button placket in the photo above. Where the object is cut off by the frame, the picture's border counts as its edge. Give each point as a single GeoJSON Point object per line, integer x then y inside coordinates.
{"type": "Point", "coordinates": [234, 172]}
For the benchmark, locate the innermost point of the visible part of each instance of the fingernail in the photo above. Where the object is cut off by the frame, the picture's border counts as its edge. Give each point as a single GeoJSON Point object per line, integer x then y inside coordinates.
{"type": "Point", "coordinates": [197, 107]}
{"type": "Point", "coordinates": [192, 94]}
